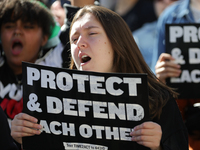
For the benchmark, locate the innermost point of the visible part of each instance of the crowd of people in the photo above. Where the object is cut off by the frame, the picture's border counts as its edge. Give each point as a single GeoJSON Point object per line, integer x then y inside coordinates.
{"type": "Point", "coordinates": [128, 36]}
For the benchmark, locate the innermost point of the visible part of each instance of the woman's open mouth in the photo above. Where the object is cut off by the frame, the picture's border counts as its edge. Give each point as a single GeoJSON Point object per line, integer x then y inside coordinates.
{"type": "Point", "coordinates": [85, 59]}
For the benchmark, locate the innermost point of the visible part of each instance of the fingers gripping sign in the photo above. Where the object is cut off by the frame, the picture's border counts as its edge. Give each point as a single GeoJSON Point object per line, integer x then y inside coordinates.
{"type": "Point", "coordinates": [32, 104]}
{"type": "Point", "coordinates": [176, 53]}
{"type": "Point", "coordinates": [148, 134]}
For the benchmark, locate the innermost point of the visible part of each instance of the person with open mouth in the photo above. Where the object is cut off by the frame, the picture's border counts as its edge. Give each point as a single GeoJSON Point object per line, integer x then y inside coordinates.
{"type": "Point", "coordinates": [25, 27]}
{"type": "Point", "coordinates": [102, 42]}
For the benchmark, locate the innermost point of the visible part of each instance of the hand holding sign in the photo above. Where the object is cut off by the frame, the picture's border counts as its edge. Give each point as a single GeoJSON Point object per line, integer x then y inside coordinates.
{"type": "Point", "coordinates": [182, 42]}
{"type": "Point", "coordinates": [166, 67]}
{"type": "Point", "coordinates": [24, 125]}
{"type": "Point", "coordinates": [76, 106]}
{"type": "Point", "coordinates": [146, 135]}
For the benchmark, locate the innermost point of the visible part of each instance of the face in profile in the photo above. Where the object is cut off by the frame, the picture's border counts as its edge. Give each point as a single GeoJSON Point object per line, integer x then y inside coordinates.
{"type": "Point", "coordinates": [90, 47]}
{"type": "Point", "coordinates": [21, 42]}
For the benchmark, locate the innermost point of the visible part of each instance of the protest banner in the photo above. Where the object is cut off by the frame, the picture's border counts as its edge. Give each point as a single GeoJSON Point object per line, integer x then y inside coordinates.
{"type": "Point", "coordinates": [81, 110]}
{"type": "Point", "coordinates": [183, 43]}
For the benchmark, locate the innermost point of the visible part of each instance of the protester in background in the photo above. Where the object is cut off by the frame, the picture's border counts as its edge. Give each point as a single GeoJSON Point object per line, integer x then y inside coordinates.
{"type": "Point", "coordinates": [25, 29]}
{"type": "Point", "coordinates": [98, 44]}
{"type": "Point", "coordinates": [59, 12]}
{"type": "Point", "coordinates": [28, 33]}
{"type": "Point", "coordinates": [146, 36]}
{"type": "Point", "coordinates": [184, 11]}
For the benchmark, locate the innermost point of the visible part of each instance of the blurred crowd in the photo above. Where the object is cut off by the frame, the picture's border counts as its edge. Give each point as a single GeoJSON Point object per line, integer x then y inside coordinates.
{"type": "Point", "coordinates": [146, 20]}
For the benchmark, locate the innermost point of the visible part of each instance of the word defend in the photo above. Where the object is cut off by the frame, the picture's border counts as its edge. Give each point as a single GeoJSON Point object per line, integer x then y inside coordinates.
{"type": "Point", "coordinates": [132, 112]}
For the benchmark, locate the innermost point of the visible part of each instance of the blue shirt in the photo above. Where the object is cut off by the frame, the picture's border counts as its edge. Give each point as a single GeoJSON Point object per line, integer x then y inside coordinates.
{"type": "Point", "coordinates": [178, 13]}
{"type": "Point", "coordinates": [145, 38]}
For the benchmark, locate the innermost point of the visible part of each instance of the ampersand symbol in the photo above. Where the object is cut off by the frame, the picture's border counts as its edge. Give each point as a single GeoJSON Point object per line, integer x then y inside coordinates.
{"type": "Point", "coordinates": [32, 104]}
{"type": "Point", "coordinates": [176, 53]}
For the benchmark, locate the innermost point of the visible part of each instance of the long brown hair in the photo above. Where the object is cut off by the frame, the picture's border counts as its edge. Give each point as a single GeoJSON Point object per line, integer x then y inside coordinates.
{"type": "Point", "coordinates": [127, 56]}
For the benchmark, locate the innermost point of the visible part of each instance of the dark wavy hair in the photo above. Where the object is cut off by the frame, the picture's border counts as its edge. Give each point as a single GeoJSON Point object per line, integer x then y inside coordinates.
{"type": "Point", "coordinates": [31, 11]}
{"type": "Point", "coordinates": [127, 56]}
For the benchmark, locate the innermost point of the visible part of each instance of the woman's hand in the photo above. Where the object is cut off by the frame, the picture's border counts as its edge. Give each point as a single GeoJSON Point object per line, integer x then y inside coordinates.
{"type": "Point", "coordinates": [166, 67]}
{"type": "Point", "coordinates": [24, 125]}
{"type": "Point", "coordinates": [148, 134]}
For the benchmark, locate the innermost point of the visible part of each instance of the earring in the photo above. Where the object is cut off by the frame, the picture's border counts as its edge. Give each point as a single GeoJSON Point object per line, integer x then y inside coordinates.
{"type": "Point", "coordinates": [40, 53]}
